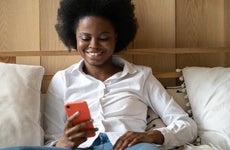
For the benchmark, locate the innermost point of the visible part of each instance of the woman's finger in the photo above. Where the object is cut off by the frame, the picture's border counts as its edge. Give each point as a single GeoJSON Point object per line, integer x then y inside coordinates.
{"type": "Point", "coordinates": [80, 128]}
{"type": "Point", "coordinates": [82, 134]}
{"type": "Point", "coordinates": [120, 142]}
{"type": "Point", "coordinates": [71, 118]}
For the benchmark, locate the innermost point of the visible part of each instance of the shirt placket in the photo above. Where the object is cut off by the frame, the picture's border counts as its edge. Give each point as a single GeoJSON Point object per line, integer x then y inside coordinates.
{"type": "Point", "coordinates": [102, 102]}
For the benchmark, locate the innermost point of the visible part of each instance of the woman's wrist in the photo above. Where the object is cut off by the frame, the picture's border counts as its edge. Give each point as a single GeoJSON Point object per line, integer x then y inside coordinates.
{"type": "Point", "coordinates": [157, 136]}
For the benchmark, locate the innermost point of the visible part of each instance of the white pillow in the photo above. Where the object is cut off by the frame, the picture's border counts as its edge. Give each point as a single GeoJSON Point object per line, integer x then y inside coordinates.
{"type": "Point", "coordinates": [208, 91]}
{"type": "Point", "coordinates": [20, 105]}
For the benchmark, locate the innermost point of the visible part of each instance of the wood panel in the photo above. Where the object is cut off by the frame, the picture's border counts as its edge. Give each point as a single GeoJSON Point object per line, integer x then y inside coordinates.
{"type": "Point", "coordinates": [8, 59]}
{"type": "Point", "coordinates": [48, 17]}
{"type": "Point", "coordinates": [156, 29]}
{"type": "Point", "coordinates": [200, 23]}
{"type": "Point", "coordinates": [19, 27]}
{"type": "Point", "coordinates": [227, 23]}
{"type": "Point", "coordinates": [205, 60]}
{"type": "Point", "coordinates": [227, 30]}
{"type": "Point", "coordinates": [50, 40]}
{"type": "Point", "coordinates": [156, 23]}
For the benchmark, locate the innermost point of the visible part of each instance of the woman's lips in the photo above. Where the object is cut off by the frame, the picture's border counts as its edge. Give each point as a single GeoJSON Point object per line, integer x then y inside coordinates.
{"type": "Point", "coordinates": [94, 53]}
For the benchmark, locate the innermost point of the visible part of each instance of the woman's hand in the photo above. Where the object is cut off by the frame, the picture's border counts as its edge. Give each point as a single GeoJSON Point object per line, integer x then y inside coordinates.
{"type": "Point", "coordinates": [132, 138]}
{"type": "Point", "coordinates": [73, 136]}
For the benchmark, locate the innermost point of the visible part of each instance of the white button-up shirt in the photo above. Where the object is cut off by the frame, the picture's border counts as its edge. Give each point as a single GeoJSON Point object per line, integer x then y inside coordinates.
{"type": "Point", "coordinates": [117, 105]}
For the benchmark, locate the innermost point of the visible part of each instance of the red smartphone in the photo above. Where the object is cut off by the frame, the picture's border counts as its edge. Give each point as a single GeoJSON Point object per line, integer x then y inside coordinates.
{"type": "Point", "coordinates": [84, 114]}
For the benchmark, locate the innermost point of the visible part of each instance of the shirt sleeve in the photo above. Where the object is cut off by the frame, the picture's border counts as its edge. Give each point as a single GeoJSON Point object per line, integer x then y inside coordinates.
{"type": "Point", "coordinates": [180, 128]}
{"type": "Point", "coordinates": [54, 112]}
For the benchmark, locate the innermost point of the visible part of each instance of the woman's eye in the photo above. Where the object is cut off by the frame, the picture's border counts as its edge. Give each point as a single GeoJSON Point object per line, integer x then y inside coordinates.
{"type": "Point", "coordinates": [85, 38]}
{"type": "Point", "coordinates": [104, 38]}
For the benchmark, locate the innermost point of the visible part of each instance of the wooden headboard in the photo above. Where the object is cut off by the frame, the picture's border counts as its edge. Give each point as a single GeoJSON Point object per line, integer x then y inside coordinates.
{"type": "Point", "coordinates": [10, 57]}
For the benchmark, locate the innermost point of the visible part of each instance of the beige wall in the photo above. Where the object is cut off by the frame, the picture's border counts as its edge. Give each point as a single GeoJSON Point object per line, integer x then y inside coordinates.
{"type": "Point", "coordinates": [28, 25]}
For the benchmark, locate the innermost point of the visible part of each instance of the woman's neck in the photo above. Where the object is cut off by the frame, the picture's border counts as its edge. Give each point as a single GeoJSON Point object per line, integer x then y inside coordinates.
{"type": "Point", "coordinates": [101, 72]}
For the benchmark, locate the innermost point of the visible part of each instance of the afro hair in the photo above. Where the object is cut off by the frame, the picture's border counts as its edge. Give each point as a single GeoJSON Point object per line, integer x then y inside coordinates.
{"type": "Point", "coordinates": [119, 12]}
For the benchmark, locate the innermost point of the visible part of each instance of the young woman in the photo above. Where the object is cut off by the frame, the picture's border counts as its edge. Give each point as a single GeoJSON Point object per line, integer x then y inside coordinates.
{"type": "Point", "coordinates": [118, 92]}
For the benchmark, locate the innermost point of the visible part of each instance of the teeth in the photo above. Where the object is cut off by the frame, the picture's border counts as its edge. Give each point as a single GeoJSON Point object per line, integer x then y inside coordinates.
{"type": "Point", "coordinates": [94, 54]}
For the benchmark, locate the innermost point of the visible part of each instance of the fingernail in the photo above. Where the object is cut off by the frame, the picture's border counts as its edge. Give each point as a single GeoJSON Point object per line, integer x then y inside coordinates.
{"type": "Point", "coordinates": [76, 113]}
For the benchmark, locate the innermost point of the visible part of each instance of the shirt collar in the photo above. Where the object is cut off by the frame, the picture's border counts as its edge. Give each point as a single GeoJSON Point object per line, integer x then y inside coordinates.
{"type": "Point", "coordinates": [128, 68]}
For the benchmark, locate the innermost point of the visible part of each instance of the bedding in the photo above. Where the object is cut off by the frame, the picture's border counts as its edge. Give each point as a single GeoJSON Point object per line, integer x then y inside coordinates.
{"type": "Point", "coordinates": [20, 105]}
{"type": "Point", "coordinates": [209, 96]}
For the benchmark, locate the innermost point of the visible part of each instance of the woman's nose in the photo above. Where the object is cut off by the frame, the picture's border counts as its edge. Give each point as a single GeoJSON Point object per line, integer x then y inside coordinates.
{"type": "Point", "coordinates": [93, 43]}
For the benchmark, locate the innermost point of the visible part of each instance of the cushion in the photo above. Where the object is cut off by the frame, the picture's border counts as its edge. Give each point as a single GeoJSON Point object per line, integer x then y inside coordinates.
{"type": "Point", "coordinates": [20, 105]}
{"type": "Point", "coordinates": [209, 96]}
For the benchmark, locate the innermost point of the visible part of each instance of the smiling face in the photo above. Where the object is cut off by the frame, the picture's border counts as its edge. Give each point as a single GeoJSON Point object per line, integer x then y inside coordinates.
{"type": "Point", "coordinates": [96, 40]}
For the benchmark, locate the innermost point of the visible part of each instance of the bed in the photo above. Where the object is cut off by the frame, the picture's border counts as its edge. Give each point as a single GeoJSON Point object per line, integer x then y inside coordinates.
{"type": "Point", "coordinates": [202, 91]}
